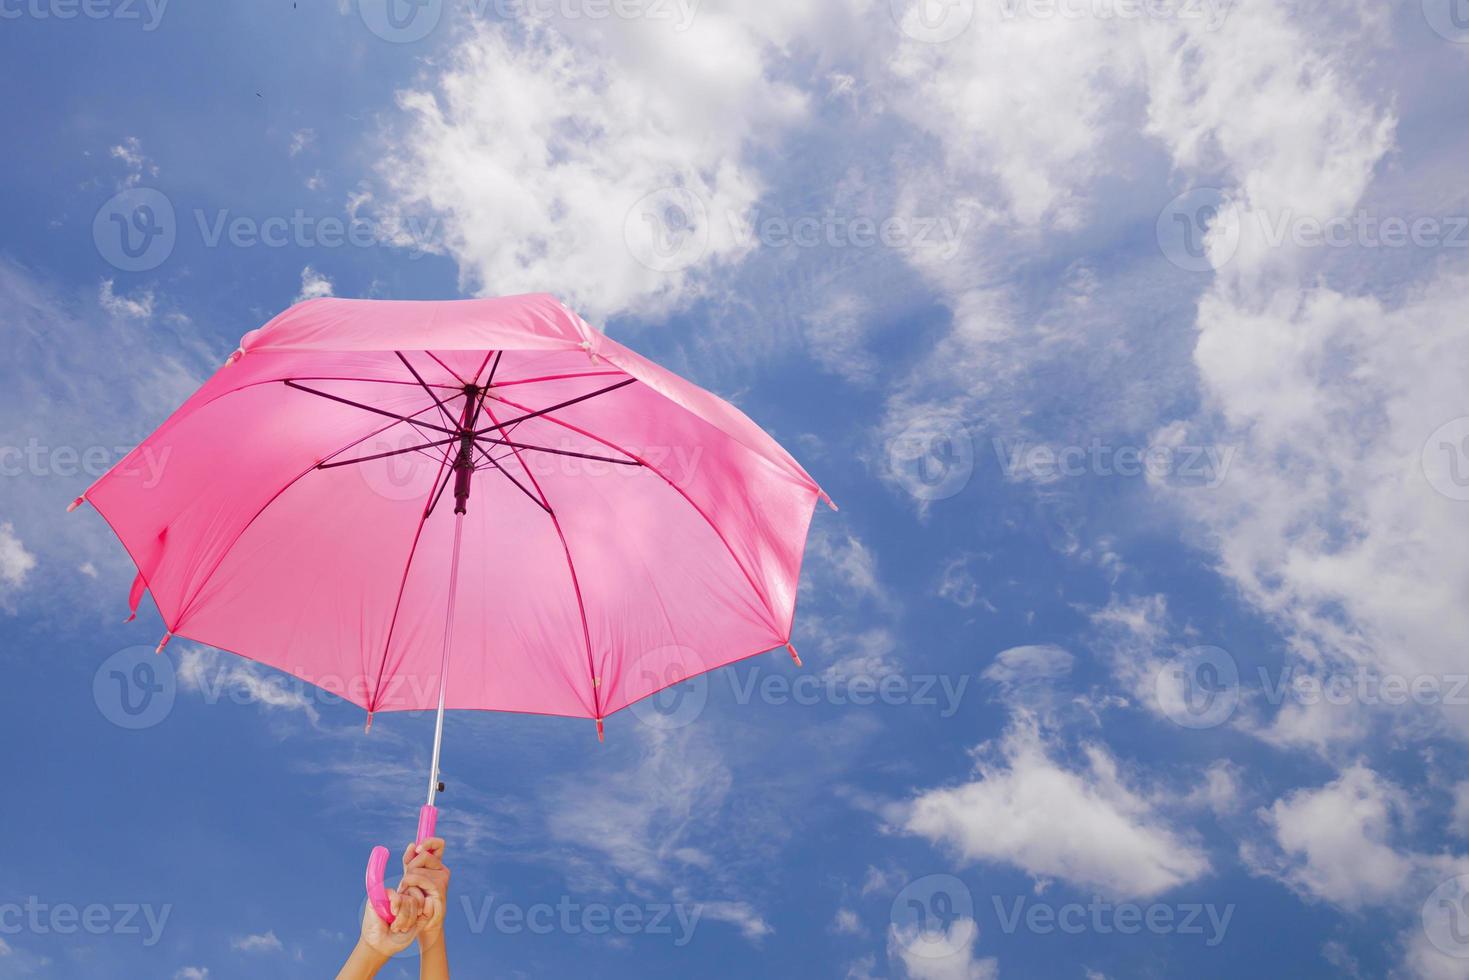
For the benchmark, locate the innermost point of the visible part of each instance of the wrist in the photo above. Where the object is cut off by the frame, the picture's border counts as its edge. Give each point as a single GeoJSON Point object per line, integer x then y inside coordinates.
{"type": "Point", "coordinates": [364, 962]}
{"type": "Point", "coordinates": [430, 939]}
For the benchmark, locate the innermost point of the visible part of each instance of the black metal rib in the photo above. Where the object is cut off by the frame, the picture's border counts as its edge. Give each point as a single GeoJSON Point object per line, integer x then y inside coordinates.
{"type": "Point", "coordinates": [534, 499]}
{"type": "Point", "coordinates": [551, 408]}
{"type": "Point", "coordinates": [368, 408]}
{"type": "Point", "coordinates": [560, 452]}
{"type": "Point", "coordinates": [393, 452]}
{"type": "Point", "coordinates": [419, 378]}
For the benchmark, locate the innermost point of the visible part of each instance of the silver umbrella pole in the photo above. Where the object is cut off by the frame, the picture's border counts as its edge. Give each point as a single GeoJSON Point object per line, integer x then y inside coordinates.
{"type": "Point", "coordinates": [433, 772]}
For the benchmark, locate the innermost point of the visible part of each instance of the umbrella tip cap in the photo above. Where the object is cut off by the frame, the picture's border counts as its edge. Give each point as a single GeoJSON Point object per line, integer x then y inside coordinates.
{"type": "Point", "coordinates": [796, 657]}
{"type": "Point", "coordinates": [368, 726]}
{"type": "Point", "coordinates": [75, 504]}
{"type": "Point", "coordinates": [601, 732]}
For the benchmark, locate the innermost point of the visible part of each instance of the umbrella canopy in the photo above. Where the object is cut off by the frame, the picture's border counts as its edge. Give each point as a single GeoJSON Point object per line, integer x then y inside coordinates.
{"type": "Point", "coordinates": [621, 528]}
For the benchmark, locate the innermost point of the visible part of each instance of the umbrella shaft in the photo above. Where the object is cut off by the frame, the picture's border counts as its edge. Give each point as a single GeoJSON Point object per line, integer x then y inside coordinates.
{"type": "Point", "coordinates": [433, 772]}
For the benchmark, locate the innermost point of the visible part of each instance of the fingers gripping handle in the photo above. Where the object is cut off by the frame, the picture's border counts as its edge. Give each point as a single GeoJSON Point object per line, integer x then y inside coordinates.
{"type": "Point", "coordinates": [377, 865]}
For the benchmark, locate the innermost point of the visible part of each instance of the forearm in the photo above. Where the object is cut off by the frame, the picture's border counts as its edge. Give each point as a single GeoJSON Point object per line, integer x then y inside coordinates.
{"type": "Point", "coordinates": [363, 964]}
{"type": "Point", "coordinates": [433, 960]}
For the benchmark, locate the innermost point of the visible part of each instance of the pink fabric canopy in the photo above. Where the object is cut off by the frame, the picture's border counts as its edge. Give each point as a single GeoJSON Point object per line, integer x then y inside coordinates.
{"type": "Point", "coordinates": [628, 531]}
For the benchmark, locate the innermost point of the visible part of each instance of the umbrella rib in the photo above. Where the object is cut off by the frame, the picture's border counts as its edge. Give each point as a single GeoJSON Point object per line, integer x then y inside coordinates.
{"type": "Point", "coordinates": [419, 378]}
{"type": "Point", "coordinates": [559, 452]}
{"type": "Point", "coordinates": [558, 377]}
{"type": "Point", "coordinates": [393, 452]}
{"type": "Point", "coordinates": [551, 408]}
{"type": "Point", "coordinates": [581, 608]}
{"type": "Point", "coordinates": [188, 604]}
{"type": "Point", "coordinates": [402, 587]}
{"type": "Point", "coordinates": [411, 420]}
{"type": "Point", "coordinates": [759, 593]}
{"type": "Point", "coordinates": [539, 503]}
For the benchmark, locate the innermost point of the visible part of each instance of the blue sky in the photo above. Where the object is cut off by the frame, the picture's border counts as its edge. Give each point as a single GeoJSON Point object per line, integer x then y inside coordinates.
{"type": "Point", "coordinates": [1129, 338]}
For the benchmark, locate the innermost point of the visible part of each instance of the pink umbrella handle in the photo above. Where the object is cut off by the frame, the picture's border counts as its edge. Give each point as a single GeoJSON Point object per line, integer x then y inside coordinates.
{"type": "Point", "coordinates": [377, 865]}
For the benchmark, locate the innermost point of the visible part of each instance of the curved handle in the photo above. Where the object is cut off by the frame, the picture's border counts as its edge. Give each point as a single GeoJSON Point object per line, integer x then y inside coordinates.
{"type": "Point", "coordinates": [377, 895]}
{"type": "Point", "coordinates": [377, 865]}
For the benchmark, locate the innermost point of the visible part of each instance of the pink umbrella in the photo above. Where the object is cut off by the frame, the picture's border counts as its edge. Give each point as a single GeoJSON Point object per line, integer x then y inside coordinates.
{"type": "Point", "coordinates": [615, 528]}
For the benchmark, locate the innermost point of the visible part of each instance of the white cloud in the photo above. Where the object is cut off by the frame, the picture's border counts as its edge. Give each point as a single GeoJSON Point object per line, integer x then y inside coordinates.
{"type": "Point", "coordinates": [1085, 826]}
{"type": "Point", "coordinates": [215, 675]}
{"type": "Point", "coordinates": [846, 923]}
{"type": "Point", "coordinates": [536, 143]}
{"type": "Point", "coordinates": [949, 956]}
{"type": "Point", "coordinates": [192, 973]}
{"type": "Point", "coordinates": [1020, 665]}
{"type": "Point", "coordinates": [126, 307]}
{"type": "Point", "coordinates": [15, 561]}
{"type": "Point", "coordinates": [301, 139]}
{"type": "Point", "coordinates": [266, 942]}
{"type": "Point", "coordinates": [1334, 842]}
{"type": "Point", "coordinates": [314, 285]}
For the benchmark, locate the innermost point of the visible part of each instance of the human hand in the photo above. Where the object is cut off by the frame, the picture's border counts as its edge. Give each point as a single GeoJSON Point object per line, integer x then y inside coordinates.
{"type": "Point", "coordinates": [389, 940]}
{"type": "Point", "coordinates": [425, 875]}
